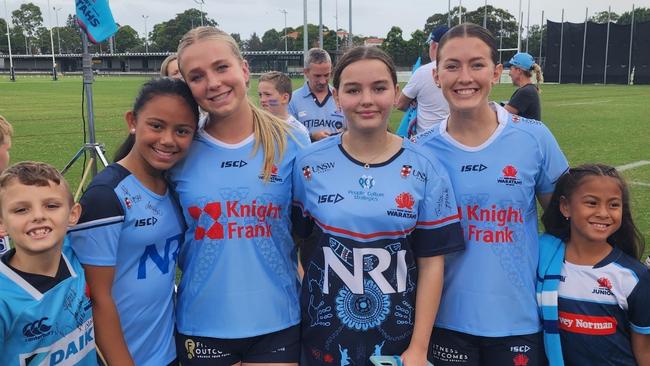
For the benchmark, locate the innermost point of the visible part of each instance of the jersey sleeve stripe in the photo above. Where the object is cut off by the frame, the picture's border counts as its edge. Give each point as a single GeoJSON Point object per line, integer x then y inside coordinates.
{"type": "Point", "coordinates": [97, 223]}
{"type": "Point", "coordinates": [640, 330]}
{"type": "Point", "coordinates": [374, 235]}
{"type": "Point", "coordinates": [440, 221]}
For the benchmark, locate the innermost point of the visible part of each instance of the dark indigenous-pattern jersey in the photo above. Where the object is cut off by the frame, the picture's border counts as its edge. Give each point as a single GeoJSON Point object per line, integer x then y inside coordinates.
{"type": "Point", "coordinates": [372, 222]}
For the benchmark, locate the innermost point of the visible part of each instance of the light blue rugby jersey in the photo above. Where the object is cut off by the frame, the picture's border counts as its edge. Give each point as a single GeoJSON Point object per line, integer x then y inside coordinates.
{"type": "Point", "coordinates": [313, 115]}
{"type": "Point", "coordinates": [125, 225]}
{"type": "Point", "coordinates": [371, 224]}
{"type": "Point", "coordinates": [239, 260]}
{"type": "Point", "coordinates": [54, 328]}
{"type": "Point", "coordinates": [489, 288]}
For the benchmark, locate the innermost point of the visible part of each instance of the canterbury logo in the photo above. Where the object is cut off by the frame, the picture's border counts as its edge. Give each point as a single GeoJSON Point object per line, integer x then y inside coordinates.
{"type": "Point", "coordinates": [37, 328]}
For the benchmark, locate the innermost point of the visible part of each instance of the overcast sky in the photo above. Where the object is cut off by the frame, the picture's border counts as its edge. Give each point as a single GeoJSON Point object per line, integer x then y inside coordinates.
{"type": "Point", "coordinates": [369, 17]}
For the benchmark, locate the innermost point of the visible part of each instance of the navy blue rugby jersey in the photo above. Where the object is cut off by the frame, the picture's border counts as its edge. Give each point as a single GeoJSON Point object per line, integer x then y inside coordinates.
{"type": "Point", "coordinates": [358, 293]}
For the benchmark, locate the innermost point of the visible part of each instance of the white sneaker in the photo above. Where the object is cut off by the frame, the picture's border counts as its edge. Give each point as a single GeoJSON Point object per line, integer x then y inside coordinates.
{"type": "Point", "coordinates": [647, 262]}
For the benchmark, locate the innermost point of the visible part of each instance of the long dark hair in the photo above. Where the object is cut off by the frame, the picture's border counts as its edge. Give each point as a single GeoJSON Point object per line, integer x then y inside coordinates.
{"type": "Point", "coordinates": [363, 53]}
{"type": "Point", "coordinates": [628, 238]}
{"type": "Point", "coordinates": [469, 30]}
{"type": "Point", "coordinates": [150, 90]}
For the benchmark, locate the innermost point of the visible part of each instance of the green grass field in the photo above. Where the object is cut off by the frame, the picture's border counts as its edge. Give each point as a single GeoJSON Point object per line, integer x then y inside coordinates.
{"type": "Point", "coordinates": [593, 123]}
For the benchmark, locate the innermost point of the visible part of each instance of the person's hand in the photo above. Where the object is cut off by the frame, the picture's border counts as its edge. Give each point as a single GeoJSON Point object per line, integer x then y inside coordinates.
{"type": "Point", "coordinates": [319, 135]}
{"type": "Point", "coordinates": [414, 356]}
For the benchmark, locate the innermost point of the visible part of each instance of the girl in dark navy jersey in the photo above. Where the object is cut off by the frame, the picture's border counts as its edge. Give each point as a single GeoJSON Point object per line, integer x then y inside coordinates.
{"type": "Point", "coordinates": [593, 291]}
{"type": "Point", "coordinates": [131, 229]}
{"type": "Point", "coordinates": [384, 215]}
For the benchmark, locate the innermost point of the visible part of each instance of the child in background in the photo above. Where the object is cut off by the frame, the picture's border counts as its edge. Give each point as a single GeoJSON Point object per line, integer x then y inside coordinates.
{"type": "Point", "coordinates": [131, 230]}
{"type": "Point", "coordinates": [6, 133]}
{"type": "Point", "coordinates": [274, 90]}
{"type": "Point", "coordinates": [594, 293]}
{"type": "Point", "coordinates": [45, 311]}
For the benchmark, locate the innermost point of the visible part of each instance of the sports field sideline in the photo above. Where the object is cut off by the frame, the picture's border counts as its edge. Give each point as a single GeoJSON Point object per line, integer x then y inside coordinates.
{"type": "Point", "coordinates": [592, 123]}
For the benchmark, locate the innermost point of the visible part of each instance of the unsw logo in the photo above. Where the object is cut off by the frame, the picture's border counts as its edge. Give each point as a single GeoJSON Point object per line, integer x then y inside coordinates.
{"type": "Point", "coordinates": [604, 287]}
{"type": "Point", "coordinates": [309, 170]}
{"type": "Point", "coordinates": [36, 330]}
{"type": "Point", "coordinates": [213, 211]}
{"type": "Point", "coordinates": [404, 209]}
{"type": "Point", "coordinates": [330, 198]}
{"type": "Point", "coordinates": [233, 164]}
{"type": "Point", "coordinates": [509, 176]}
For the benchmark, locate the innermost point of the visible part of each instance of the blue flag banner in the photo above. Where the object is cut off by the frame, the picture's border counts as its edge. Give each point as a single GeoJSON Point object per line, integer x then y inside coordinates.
{"type": "Point", "coordinates": [408, 121]}
{"type": "Point", "coordinates": [96, 19]}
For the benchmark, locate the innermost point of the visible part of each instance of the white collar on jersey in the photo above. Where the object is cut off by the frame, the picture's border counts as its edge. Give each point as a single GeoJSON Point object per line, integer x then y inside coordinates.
{"type": "Point", "coordinates": [502, 118]}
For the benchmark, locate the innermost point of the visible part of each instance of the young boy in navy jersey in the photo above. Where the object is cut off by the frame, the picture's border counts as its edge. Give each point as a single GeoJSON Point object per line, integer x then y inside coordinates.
{"type": "Point", "coordinates": [45, 311]}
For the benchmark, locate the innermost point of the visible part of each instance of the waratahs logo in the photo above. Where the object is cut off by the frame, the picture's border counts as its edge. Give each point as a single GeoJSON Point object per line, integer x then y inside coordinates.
{"type": "Point", "coordinates": [405, 201]}
{"type": "Point", "coordinates": [404, 209]}
{"type": "Point", "coordinates": [520, 360]}
{"type": "Point", "coordinates": [604, 282]}
{"type": "Point", "coordinates": [509, 177]}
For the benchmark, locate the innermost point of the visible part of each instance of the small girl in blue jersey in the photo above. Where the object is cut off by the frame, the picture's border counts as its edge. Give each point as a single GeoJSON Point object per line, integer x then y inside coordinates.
{"type": "Point", "coordinates": [238, 296]}
{"type": "Point", "coordinates": [593, 291]}
{"type": "Point", "coordinates": [131, 228]}
{"type": "Point", "coordinates": [384, 216]}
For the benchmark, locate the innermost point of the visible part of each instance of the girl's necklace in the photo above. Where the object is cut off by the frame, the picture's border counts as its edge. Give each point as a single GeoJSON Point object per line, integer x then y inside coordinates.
{"type": "Point", "coordinates": [366, 164]}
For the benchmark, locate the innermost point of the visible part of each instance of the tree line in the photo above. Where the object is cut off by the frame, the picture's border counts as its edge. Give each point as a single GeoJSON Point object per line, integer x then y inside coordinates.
{"type": "Point", "coordinates": [29, 36]}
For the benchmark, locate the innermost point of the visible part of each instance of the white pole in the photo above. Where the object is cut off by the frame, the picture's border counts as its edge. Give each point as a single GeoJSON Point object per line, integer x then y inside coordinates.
{"type": "Point", "coordinates": [49, 11]}
{"type": "Point", "coordinates": [559, 78]}
{"type": "Point", "coordinates": [521, 15]}
{"type": "Point", "coordinates": [584, 46]}
{"type": "Point", "coordinates": [500, 40]}
{"type": "Point", "coordinates": [305, 34]}
{"type": "Point", "coordinates": [460, 11]}
{"type": "Point", "coordinates": [336, 16]}
{"type": "Point", "coordinates": [541, 38]}
{"type": "Point", "coordinates": [528, 26]}
{"type": "Point", "coordinates": [320, 23]}
{"type": "Point", "coordinates": [146, 35]}
{"type": "Point", "coordinates": [609, 12]}
{"type": "Point", "coordinates": [350, 42]}
{"type": "Point", "coordinates": [284, 11]}
{"type": "Point", "coordinates": [58, 35]}
{"type": "Point", "coordinates": [485, 15]}
{"type": "Point", "coordinates": [449, 14]}
{"type": "Point", "coordinates": [12, 75]}
{"type": "Point", "coordinates": [629, 61]}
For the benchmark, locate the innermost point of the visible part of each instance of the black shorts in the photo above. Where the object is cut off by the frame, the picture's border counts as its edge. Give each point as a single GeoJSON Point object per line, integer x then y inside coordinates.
{"type": "Point", "coordinates": [448, 347]}
{"type": "Point", "coordinates": [278, 347]}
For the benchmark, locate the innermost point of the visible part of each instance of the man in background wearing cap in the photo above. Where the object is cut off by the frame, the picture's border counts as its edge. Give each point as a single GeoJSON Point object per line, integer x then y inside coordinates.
{"type": "Point", "coordinates": [525, 100]}
{"type": "Point", "coordinates": [431, 104]}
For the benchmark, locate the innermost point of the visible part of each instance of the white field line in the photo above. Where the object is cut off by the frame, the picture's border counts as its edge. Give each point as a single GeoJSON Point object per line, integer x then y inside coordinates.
{"type": "Point", "coordinates": [629, 166]}
{"type": "Point", "coordinates": [584, 103]}
{"type": "Point", "coordinates": [635, 183]}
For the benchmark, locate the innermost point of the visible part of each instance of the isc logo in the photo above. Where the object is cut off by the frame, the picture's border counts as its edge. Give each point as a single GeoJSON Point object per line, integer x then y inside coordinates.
{"type": "Point", "coordinates": [473, 168]}
{"type": "Point", "coordinates": [146, 222]}
{"type": "Point", "coordinates": [233, 164]}
{"type": "Point", "coordinates": [330, 198]}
